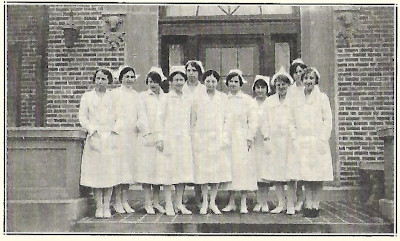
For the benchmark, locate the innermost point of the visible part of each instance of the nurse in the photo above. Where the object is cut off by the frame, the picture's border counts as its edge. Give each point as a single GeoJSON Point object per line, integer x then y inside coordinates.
{"type": "Point", "coordinates": [147, 168]}
{"type": "Point", "coordinates": [296, 71]}
{"type": "Point", "coordinates": [130, 117]}
{"type": "Point", "coordinates": [276, 139]}
{"type": "Point", "coordinates": [174, 140]}
{"type": "Point", "coordinates": [241, 127]}
{"type": "Point", "coordinates": [96, 116]}
{"type": "Point", "coordinates": [260, 91]}
{"type": "Point", "coordinates": [311, 159]}
{"type": "Point", "coordinates": [211, 164]}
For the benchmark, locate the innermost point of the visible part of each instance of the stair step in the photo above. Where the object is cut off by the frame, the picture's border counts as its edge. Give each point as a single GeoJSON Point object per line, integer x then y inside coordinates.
{"type": "Point", "coordinates": [335, 217]}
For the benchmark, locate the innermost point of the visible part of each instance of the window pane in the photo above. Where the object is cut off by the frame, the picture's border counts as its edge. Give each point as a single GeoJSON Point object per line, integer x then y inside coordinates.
{"type": "Point", "coordinates": [181, 10]}
{"type": "Point", "coordinates": [229, 60]}
{"type": "Point", "coordinates": [247, 10]}
{"type": "Point", "coordinates": [213, 59]}
{"type": "Point", "coordinates": [282, 56]}
{"type": "Point", "coordinates": [175, 55]}
{"type": "Point", "coordinates": [274, 9]}
{"type": "Point", "coordinates": [246, 59]}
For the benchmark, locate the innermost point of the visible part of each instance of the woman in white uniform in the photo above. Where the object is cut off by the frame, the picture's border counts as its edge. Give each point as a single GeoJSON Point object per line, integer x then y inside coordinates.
{"type": "Point", "coordinates": [130, 117]}
{"type": "Point", "coordinates": [260, 91]}
{"type": "Point", "coordinates": [240, 127]}
{"type": "Point", "coordinates": [276, 138]}
{"type": "Point", "coordinates": [146, 167]}
{"type": "Point", "coordinates": [98, 170]}
{"type": "Point", "coordinates": [174, 140]}
{"type": "Point", "coordinates": [311, 159]}
{"type": "Point", "coordinates": [211, 164]}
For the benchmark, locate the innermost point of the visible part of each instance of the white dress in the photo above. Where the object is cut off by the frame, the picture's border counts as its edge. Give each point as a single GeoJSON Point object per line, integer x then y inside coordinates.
{"type": "Point", "coordinates": [130, 115]}
{"type": "Point", "coordinates": [310, 158]}
{"type": "Point", "coordinates": [276, 127]}
{"type": "Point", "coordinates": [146, 167]}
{"type": "Point", "coordinates": [173, 126]}
{"type": "Point", "coordinates": [98, 169]}
{"type": "Point", "coordinates": [241, 125]}
{"type": "Point", "coordinates": [211, 162]}
{"type": "Point", "coordinates": [259, 150]}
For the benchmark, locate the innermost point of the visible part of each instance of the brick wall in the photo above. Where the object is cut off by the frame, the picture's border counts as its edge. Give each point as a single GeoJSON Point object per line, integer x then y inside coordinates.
{"type": "Point", "coordinates": [71, 69]}
{"type": "Point", "coordinates": [21, 27]}
{"type": "Point", "coordinates": [365, 69]}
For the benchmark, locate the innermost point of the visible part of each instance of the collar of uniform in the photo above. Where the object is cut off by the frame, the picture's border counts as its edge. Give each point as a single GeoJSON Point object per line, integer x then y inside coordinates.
{"type": "Point", "coordinates": [149, 92]}
{"type": "Point", "coordinates": [174, 94]}
{"type": "Point", "coordinates": [238, 95]}
{"type": "Point", "coordinates": [274, 100]}
{"type": "Point", "coordinates": [313, 96]}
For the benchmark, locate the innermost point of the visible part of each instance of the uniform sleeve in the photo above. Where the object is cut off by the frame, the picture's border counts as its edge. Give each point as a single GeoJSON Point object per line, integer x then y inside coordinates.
{"type": "Point", "coordinates": [227, 120]}
{"type": "Point", "coordinates": [84, 115]}
{"type": "Point", "coordinates": [142, 121]}
{"type": "Point", "coordinates": [252, 119]}
{"type": "Point", "coordinates": [160, 118]}
{"type": "Point", "coordinates": [193, 113]}
{"type": "Point", "coordinates": [292, 123]}
{"type": "Point", "coordinates": [118, 114]}
{"type": "Point", "coordinates": [326, 118]}
{"type": "Point", "coordinates": [265, 125]}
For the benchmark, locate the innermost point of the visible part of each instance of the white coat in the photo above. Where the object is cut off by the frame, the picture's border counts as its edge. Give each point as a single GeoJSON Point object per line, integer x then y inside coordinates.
{"type": "Point", "coordinates": [276, 127]}
{"type": "Point", "coordinates": [146, 167]}
{"type": "Point", "coordinates": [211, 162]}
{"type": "Point", "coordinates": [96, 115]}
{"type": "Point", "coordinates": [241, 125]}
{"type": "Point", "coordinates": [129, 116]}
{"type": "Point", "coordinates": [173, 126]}
{"type": "Point", "coordinates": [259, 149]}
{"type": "Point", "coordinates": [310, 158]}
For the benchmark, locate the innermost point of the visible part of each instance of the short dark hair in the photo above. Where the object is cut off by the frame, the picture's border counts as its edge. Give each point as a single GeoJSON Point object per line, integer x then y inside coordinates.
{"type": "Point", "coordinates": [260, 82]}
{"type": "Point", "coordinates": [124, 71]}
{"type": "Point", "coordinates": [283, 78]}
{"type": "Point", "coordinates": [293, 67]}
{"type": "Point", "coordinates": [309, 70]}
{"type": "Point", "coordinates": [210, 73]}
{"type": "Point", "coordinates": [171, 76]}
{"type": "Point", "coordinates": [154, 76]}
{"type": "Point", "coordinates": [231, 75]}
{"type": "Point", "coordinates": [195, 65]}
{"type": "Point", "coordinates": [106, 72]}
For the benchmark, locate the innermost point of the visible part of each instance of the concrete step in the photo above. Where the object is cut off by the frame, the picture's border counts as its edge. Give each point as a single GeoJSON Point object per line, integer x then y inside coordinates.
{"type": "Point", "coordinates": [335, 217]}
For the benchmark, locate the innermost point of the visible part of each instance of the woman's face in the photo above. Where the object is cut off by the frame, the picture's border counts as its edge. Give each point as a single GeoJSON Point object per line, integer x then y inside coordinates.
{"type": "Point", "coordinates": [101, 80]}
{"type": "Point", "coordinates": [281, 87]}
{"type": "Point", "coordinates": [298, 73]}
{"type": "Point", "coordinates": [128, 79]}
{"type": "Point", "coordinates": [177, 82]}
{"type": "Point", "coordinates": [309, 81]}
{"type": "Point", "coordinates": [192, 74]}
{"type": "Point", "coordinates": [234, 84]}
{"type": "Point", "coordinates": [211, 82]}
{"type": "Point", "coordinates": [154, 86]}
{"type": "Point", "coordinates": [260, 90]}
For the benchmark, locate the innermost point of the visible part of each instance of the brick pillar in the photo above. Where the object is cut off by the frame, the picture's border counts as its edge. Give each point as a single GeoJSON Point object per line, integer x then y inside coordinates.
{"type": "Point", "coordinates": [141, 40]}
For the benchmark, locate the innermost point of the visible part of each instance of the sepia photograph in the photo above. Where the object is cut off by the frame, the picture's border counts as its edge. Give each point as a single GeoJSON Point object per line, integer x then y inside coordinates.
{"type": "Point", "coordinates": [191, 118]}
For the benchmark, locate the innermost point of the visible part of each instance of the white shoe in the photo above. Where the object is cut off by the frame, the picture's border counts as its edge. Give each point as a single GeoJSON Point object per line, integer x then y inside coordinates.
{"type": "Point", "coordinates": [278, 209]}
{"type": "Point", "coordinates": [243, 209]}
{"type": "Point", "coordinates": [215, 209]}
{"type": "Point", "coordinates": [159, 208]}
{"type": "Point", "coordinates": [183, 210]}
{"type": "Point", "coordinates": [149, 209]}
{"type": "Point", "coordinates": [169, 210]}
{"type": "Point", "coordinates": [257, 208]}
{"type": "Point", "coordinates": [127, 208]}
{"type": "Point", "coordinates": [265, 208]}
{"type": "Point", "coordinates": [106, 212]}
{"type": "Point", "coordinates": [290, 209]}
{"type": "Point", "coordinates": [99, 212]}
{"type": "Point", "coordinates": [298, 206]}
{"type": "Point", "coordinates": [119, 208]}
{"type": "Point", "coordinates": [229, 208]}
{"type": "Point", "coordinates": [204, 209]}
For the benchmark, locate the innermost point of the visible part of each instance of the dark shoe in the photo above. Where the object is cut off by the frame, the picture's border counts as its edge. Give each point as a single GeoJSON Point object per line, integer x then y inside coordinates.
{"type": "Point", "coordinates": [306, 212]}
{"type": "Point", "coordinates": [314, 213]}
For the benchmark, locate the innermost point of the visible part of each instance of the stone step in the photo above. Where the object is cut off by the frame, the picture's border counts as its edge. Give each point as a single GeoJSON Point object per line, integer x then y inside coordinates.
{"type": "Point", "coordinates": [335, 217]}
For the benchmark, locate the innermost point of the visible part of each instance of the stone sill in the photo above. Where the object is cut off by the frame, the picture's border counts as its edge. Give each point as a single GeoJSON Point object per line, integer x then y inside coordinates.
{"type": "Point", "coordinates": [75, 133]}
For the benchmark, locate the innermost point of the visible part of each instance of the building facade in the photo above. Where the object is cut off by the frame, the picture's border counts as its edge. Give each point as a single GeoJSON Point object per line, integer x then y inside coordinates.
{"type": "Point", "coordinates": [351, 46]}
